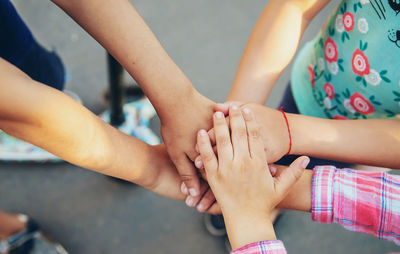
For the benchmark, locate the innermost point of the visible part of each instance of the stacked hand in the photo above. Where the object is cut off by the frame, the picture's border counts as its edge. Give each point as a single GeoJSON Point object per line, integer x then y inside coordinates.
{"type": "Point", "coordinates": [178, 129]}
{"type": "Point", "coordinates": [240, 178]}
{"type": "Point", "coordinates": [272, 125]}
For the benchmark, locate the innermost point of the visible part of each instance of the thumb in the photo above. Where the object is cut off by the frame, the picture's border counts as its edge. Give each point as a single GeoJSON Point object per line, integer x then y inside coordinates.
{"type": "Point", "coordinates": [290, 175]}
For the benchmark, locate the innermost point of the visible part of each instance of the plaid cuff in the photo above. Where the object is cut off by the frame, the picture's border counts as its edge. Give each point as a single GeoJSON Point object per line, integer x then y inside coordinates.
{"type": "Point", "coordinates": [322, 194]}
{"type": "Point", "coordinates": [264, 247]}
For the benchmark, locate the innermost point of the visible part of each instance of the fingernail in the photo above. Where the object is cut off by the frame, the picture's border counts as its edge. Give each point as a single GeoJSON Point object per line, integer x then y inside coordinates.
{"type": "Point", "coordinates": [193, 192]}
{"type": "Point", "coordinates": [234, 107]}
{"type": "Point", "coordinates": [200, 208]}
{"type": "Point", "coordinates": [219, 115]}
{"type": "Point", "coordinates": [184, 189]}
{"type": "Point", "coordinates": [202, 132]}
{"type": "Point", "coordinates": [189, 201]}
{"type": "Point", "coordinates": [247, 114]}
{"type": "Point", "coordinates": [199, 163]}
{"type": "Point", "coordinates": [247, 111]}
{"type": "Point", "coordinates": [305, 162]}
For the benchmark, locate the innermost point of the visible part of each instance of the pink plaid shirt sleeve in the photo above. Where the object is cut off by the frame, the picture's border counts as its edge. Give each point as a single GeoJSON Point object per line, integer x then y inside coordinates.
{"type": "Point", "coordinates": [263, 247]}
{"type": "Point", "coordinates": [361, 201]}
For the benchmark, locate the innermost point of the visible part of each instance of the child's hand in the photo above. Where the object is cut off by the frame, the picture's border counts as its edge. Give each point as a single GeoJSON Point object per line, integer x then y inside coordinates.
{"type": "Point", "coordinates": [240, 178]}
{"type": "Point", "coordinates": [273, 128]}
{"type": "Point", "coordinates": [179, 125]}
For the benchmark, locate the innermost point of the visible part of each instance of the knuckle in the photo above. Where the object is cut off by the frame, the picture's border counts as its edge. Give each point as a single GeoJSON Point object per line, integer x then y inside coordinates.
{"type": "Point", "coordinates": [254, 133]}
{"type": "Point", "coordinates": [188, 177]}
{"type": "Point", "coordinates": [207, 157]}
{"type": "Point", "coordinates": [241, 132]}
{"type": "Point", "coordinates": [223, 141]}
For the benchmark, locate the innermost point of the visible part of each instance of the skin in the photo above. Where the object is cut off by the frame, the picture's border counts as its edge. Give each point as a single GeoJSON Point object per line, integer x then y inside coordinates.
{"type": "Point", "coordinates": [375, 142]}
{"type": "Point", "coordinates": [142, 55]}
{"type": "Point", "coordinates": [240, 176]}
{"type": "Point", "coordinates": [280, 27]}
{"type": "Point", "coordinates": [31, 111]}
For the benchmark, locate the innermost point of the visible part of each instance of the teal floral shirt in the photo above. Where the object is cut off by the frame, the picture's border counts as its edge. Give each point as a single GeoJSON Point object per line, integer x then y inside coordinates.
{"type": "Point", "coordinates": [351, 70]}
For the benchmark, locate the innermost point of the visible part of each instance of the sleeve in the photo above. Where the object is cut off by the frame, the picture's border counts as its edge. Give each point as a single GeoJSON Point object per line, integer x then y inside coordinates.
{"type": "Point", "coordinates": [264, 247]}
{"type": "Point", "coordinates": [360, 201]}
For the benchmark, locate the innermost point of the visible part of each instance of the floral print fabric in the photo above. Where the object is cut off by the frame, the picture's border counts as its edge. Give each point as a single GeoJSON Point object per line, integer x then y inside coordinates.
{"type": "Point", "coordinates": [351, 70]}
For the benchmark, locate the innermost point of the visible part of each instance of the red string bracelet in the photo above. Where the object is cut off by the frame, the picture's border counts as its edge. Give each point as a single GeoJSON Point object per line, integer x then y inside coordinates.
{"type": "Point", "coordinates": [287, 124]}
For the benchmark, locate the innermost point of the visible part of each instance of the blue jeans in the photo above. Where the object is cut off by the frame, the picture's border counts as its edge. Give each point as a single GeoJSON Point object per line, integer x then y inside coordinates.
{"type": "Point", "coordinates": [19, 47]}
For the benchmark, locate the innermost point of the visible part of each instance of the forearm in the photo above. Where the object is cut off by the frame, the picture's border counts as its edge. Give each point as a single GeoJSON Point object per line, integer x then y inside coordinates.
{"type": "Point", "coordinates": [371, 142]}
{"type": "Point", "coordinates": [118, 27]}
{"type": "Point", "coordinates": [299, 196]}
{"type": "Point", "coordinates": [51, 120]}
{"type": "Point", "coordinates": [271, 47]}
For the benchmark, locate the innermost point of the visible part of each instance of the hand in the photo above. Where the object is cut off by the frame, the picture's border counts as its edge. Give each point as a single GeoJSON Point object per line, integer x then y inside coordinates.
{"type": "Point", "coordinates": [274, 131]}
{"type": "Point", "coordinates": [178, 129]}
{"type": "Point", "coordinates": [240, 178]}
{"type": "Point", "coordinates": [160, 176]}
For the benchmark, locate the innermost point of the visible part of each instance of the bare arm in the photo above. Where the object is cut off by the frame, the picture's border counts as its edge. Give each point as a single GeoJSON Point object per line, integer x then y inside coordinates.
{"type": "Point", "coordinates": [271, 47]}
{"type": "Point", "coordinates": [51, 120]}
{"type": "Point", "coordinates": [119, 28]}
{"type": "Point", "coordinates": [374, 142]}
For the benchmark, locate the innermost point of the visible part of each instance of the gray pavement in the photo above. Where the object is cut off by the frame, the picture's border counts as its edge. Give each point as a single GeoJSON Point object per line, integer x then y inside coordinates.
{"type": "Point", "coordinates": [90, 213]}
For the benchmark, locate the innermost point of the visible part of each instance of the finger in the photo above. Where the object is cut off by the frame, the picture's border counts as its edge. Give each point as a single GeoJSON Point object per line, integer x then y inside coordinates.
{"type": "Point", "coordinates": [215, 209]}
{"type": "Point", "coordinates": [239, 133]}
{"type": "Point", "coordinates": [194, 201]}
{"type": "Point", "coordinates": [188, 174]}
{"type": "Point", "coordinates": [256, 145]}
{"type": "Point", "coordinates": [289, 176]}
{"type": "Point", "coordinates": [200, 167]}
{"type": "Point", "coordinates": [184, 189]}
{"type": "Point", "coordinates": [199, 163]}
{"type": "Point", "coordinates": [211, 133]}
{"type": "Point", "coordinates": [206, 201]}
{"type": "Point", "coordinates": [223, 140]}
{"type": "Point", "coordinates": [208, 158]}
{"type": "Point", "coordinates": [222, 107]}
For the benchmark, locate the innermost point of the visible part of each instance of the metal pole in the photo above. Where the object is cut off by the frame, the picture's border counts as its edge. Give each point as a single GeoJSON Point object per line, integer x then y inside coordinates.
{"type": "Point", "coordinates": [116, 94]}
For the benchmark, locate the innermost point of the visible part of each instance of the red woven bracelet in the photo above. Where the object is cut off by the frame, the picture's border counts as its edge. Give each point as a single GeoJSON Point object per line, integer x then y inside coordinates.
{"type": "Point", "coordinates": [290, 135]}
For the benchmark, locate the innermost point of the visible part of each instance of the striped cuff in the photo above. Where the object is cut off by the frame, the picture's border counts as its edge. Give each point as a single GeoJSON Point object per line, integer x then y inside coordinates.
{"type": "Point", "coordinates": [265, 247]}
{"type": "Point", "coordinates": [322, 194]}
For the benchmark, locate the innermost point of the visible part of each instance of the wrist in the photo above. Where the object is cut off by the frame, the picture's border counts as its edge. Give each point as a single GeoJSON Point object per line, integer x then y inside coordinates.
{"type": "Point", "coordinates": [191, 101]}
{"type": "Point", "coordinates": [170, 104]}
{"type": "Point", "coordinates": [296, 125]}
{"type": "Point", "coordinates": [149, 176]}
{"type": "Point", "coordinates": [246, 228]}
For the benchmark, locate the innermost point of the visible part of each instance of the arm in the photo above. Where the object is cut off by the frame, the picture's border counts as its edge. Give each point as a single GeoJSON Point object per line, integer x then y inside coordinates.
{"type": "Point", "coordinates": [373, 142]}
{"type": "Point", "coordinates": [118, 28]}
{"type": "Point", "coordinates": [271, 47]}
{"type": "Point", "coordinates": [51, 120]}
